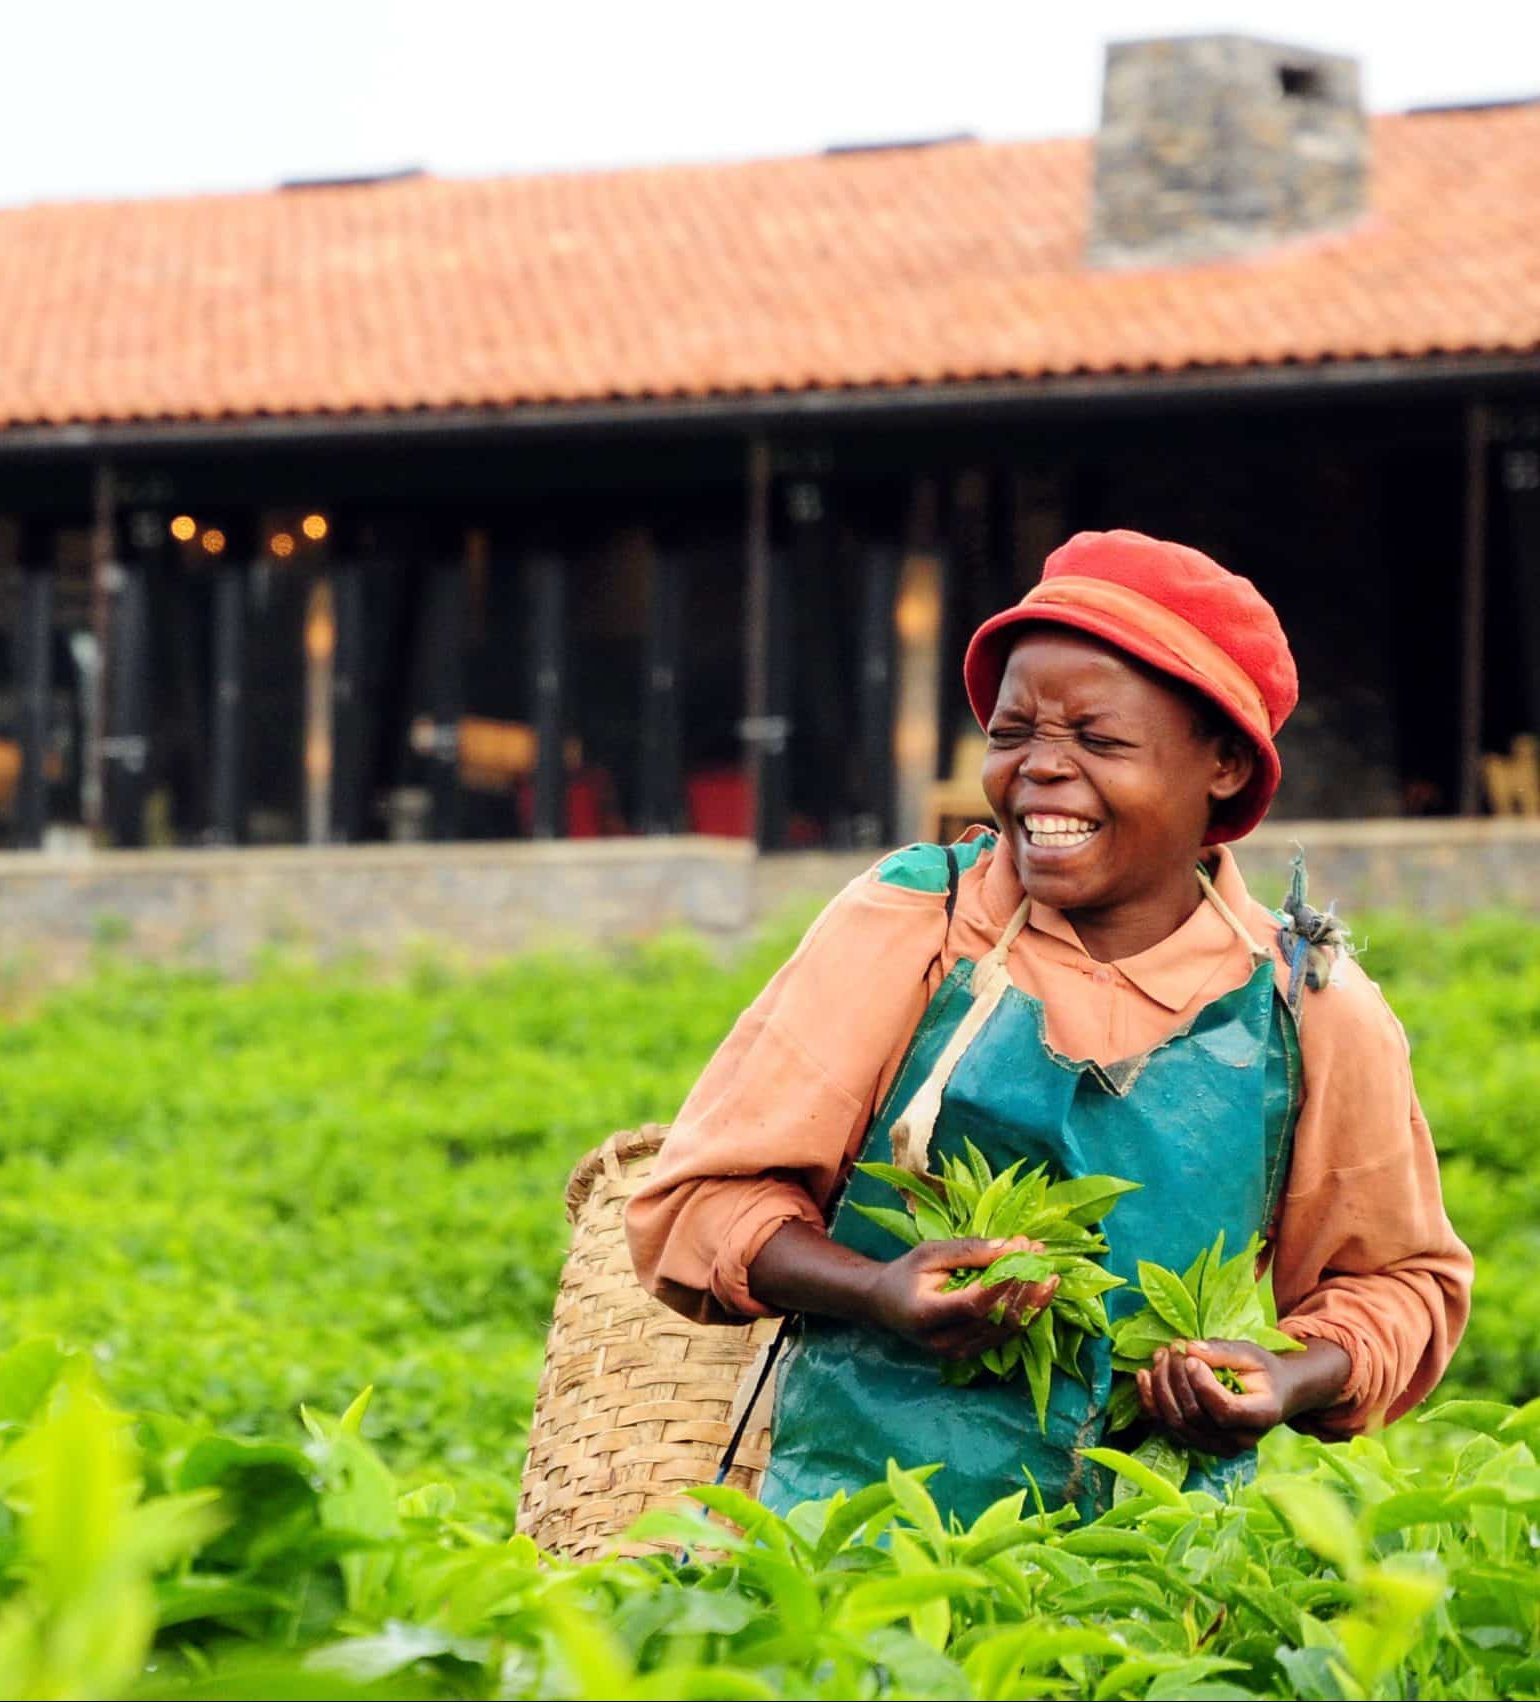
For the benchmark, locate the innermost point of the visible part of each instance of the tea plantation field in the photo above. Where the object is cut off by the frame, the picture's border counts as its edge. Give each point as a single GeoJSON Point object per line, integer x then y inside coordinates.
{"type": "Point", "coordinates": [229, 1199]}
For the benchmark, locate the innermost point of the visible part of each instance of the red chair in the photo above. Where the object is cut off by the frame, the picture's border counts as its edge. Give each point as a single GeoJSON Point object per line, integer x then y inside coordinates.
{"type": "Point", "coordinates": [718, 802]}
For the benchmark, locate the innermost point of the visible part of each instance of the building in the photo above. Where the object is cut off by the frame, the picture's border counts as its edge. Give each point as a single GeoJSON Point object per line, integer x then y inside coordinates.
{"type": "Point", "coordinates": [664, 500]}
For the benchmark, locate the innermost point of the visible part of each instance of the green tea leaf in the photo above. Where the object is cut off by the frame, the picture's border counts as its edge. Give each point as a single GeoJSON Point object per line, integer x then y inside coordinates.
{"type": "Point", "coordinates": [1017, 1267]}
{"type": "Point", "coordinates": [907, 1182]}
{"type": "Point", "coordinates": [1169, 1298]}
{"type": "Point", "coordinates": [881, 1601]}
{"type": "Point", "coordinates": [1137, 1473]}
{"type": "Point", "coordinates": [1087, 1199]}
{"type": "Point", "coordinates": [897, 1223]}
{"type": "Point", "coordinates": [1320, 1519]}
{"type": "Point", "coordinates": [990, 1201]}
{"type": "Point", "coordinates": [1140, 1337]}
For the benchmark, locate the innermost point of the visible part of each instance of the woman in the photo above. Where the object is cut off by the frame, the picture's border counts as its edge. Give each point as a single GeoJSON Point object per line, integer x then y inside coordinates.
{"type": "Point", "coordinates": [1093, 987]}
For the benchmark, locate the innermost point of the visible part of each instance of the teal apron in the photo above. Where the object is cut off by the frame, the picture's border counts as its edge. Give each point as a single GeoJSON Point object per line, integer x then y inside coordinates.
{"type": "Point", "coordinates": [1204, 1122]}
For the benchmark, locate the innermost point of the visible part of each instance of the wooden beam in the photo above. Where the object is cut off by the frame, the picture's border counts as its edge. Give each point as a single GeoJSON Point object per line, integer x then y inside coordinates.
{"type": "Point", "coordinates": [917, 624]}
{"type": "Point", "coordinates": [443, 639]}
{"type": "Point", "coordinates": [1521, 485]}
{"type": "Point", "coordinates": [227, 709]}
{"type": "Point", "coordinates": [104, 583]}
{"type": "Point", "coordinates": [350, 701]}
{"type": "Point", "coordinates": [1478, 431]}
{"type": "Point", "coordinates": [35, 677]}
{"type": "Point", "coordinates": [662, 809]}
{"type": "Point", "coordinates": [756, 623]}
{"type": "Point", "coordinates": [874, 707]}
{"type": "Point", "coordinates": [548, 666]}
{"type": "Point", "coordinates": [766, 726]}
{"type": "Point", "coordinates": [126, 741]}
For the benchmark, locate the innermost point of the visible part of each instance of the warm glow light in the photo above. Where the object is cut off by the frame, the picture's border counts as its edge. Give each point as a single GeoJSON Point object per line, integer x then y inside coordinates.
{"type": "Point", "coordinates": [314, 527]}
{"type": "Point", "coordinates": [918, 615]}
{"type": "Point", "coordinates": [320, 630]}
{"type": "Point", "coordinates": [184, 528]}
{"type": "Point", "coordinates": [214, 541]}
{"type": "Point", "coordinates": [281, 544]}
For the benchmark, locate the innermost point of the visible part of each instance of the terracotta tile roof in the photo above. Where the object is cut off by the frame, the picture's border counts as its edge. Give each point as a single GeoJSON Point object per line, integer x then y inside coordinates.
{"type": "Point", "coordinates": [953, 263]}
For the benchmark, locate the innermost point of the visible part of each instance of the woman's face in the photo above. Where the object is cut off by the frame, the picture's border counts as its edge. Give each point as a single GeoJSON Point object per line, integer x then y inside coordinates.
{"type": "Point", "coordinates": [1100, 777]}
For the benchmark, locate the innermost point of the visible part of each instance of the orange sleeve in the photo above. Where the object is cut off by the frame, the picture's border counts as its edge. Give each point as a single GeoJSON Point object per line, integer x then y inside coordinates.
{"type": "Point", "coordinates": [1365, 1255]}
{"type": "Point", "coordinates": [765, 1133]}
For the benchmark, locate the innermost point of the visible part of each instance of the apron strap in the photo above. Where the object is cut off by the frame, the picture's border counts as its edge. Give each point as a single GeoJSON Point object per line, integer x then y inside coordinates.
{"type": "Point", "coordinates": [1259, 954]}
{"type": "Point", "coordinates": [912, 1131]}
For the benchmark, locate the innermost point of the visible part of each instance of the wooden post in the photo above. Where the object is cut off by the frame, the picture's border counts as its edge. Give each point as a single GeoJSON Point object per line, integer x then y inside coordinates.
{"type": "Point", "coordinates": [444, 642]}
{"type": "Point", "coordinates": [766, 726]}
{"type": "Point", "coordinates": [1521, 483]}
{"type": "Point", "coordinates": [105, 572]}
{"type": "Point", "coordinates": [1473, 606]}
{"type": "Point", "coordinates": [227, 709]}
{"type": "Point", "coordinates": [966, 596]}
{"type": "Point", "coordinates": [349, 687]}
{"type": "Point", "coordinates": [875, 701]}
{"type": "Point", "coordinates": [917, 684]}
{"type": "Point", "coordinates": [661, 800]}
{"type": "Point", "coordinates": [35, 675]}
{"type": "Point", "coordinates": [548, 583]}
{"type": "Point", "coordinates": [320, 662]}
{"type": "Point", "coordinates": [126, 742]}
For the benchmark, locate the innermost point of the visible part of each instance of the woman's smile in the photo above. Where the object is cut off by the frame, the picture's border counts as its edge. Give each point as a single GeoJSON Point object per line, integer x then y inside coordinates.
{"type": "Point", "coordinates": [1049, 832]}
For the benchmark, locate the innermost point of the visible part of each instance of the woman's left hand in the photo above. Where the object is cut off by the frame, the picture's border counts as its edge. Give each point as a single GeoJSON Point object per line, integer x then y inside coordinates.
{"type": "Point", "coordinates": [1181, 1392]}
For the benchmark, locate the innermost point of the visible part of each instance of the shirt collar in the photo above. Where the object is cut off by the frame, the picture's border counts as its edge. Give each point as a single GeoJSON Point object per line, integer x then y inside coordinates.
{"type": "Point", "coordinates": [1173, 971]}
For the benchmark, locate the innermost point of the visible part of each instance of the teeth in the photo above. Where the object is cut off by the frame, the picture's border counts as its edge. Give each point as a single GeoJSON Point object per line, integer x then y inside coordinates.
{"type": "Point", "coordinates": [1060, 824]}
{"type": "Point", "coordinates": [1059, 832]}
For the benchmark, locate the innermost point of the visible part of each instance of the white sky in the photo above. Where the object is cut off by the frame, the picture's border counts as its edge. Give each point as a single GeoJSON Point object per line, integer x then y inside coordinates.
{"type": "Point", "coordinates": [137, 97]}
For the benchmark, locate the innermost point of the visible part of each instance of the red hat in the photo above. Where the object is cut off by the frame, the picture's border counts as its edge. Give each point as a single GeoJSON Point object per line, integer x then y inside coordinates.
{"type": "Point", "coordinates": [1181, 613]}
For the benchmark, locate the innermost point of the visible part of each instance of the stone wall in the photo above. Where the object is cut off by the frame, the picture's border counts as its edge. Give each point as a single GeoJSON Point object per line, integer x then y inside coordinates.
{"type": "Point", "coordinates": [220, 909]}
{"type": "Point", "coordinates": [477, 901]}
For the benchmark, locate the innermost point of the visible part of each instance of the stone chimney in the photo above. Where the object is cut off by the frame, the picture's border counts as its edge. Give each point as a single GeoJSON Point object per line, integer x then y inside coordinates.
{"type": "Point", "coordinates": [1220, 145]}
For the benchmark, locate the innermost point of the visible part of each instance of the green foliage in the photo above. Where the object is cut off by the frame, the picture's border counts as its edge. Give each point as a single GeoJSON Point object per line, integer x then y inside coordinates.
{"type": "Point", "coordinates": [967, 1199]}
{"type": "Point", "coordinates": [168, 1561]}
{"type": "Point", "coordinates": [242, 1196]}
{"type": "Point", "coordinates": [1469, 1000]}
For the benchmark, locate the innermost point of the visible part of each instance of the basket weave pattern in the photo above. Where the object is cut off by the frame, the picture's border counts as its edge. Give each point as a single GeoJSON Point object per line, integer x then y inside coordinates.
{"type": "Point", "coordinates": [635, 1403]}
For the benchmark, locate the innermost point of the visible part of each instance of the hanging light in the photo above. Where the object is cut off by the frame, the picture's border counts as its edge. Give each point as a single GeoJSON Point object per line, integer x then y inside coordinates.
{"type": "Point", "coordinates": [184, 528]}
{"type": "Point", "coordinates": [213, 541]}
{"type": "Point", "coordinates": [315, 527]}
{"type": "Point", "coordinates": [281, 545]}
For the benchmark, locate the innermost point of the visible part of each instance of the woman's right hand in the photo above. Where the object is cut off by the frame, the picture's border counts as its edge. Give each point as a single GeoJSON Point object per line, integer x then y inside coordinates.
{"type": "Point", "coordinates": [909, 1296]}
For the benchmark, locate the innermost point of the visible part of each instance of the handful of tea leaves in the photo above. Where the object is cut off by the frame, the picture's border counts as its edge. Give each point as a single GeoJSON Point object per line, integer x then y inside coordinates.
{"type": "Point", "coordinates": [967, 1199]}
{"type": "Point", "coordinates": [1214, 1298]}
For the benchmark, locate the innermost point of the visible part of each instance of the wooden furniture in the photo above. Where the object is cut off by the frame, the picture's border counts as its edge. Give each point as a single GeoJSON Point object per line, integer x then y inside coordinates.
{"type": "Point", "coordinates": [955, 804]}
{"type": "Point", "coordinates": [1512, 782]}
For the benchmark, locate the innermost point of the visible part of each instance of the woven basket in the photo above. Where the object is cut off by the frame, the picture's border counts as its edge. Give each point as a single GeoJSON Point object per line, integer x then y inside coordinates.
{"type": "Point", "coordinates": [635, 1403]}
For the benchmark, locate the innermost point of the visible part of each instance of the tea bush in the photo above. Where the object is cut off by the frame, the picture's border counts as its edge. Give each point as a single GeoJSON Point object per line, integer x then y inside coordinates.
{"type": "Point", "coordinates": [168, 1561]}
{"type": "Point", "coordinates": [237, 1197]}
{"type": "Point", "coordinates": [244, 1195]}
{"type": "Point", "coordinates": [241, 1196]}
